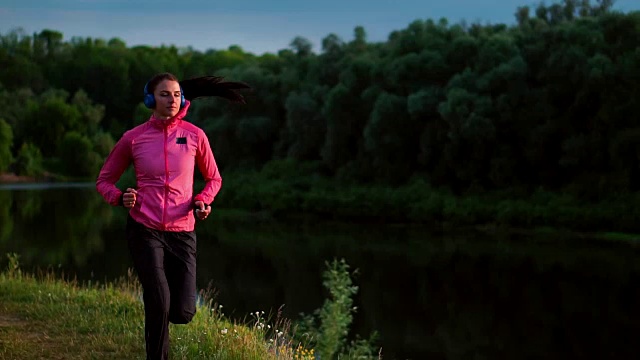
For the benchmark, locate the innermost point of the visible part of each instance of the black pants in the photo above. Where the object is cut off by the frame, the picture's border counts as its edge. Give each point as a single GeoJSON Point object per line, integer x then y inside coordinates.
{"type": "Point", "coordinates": [166, 265]}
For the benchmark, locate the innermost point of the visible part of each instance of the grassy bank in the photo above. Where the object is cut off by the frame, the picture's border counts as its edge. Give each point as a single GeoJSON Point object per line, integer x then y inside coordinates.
{"type": "Point", "coordinates": [48, 317]}
{"type": "Point", "coordinates": [285, 188]}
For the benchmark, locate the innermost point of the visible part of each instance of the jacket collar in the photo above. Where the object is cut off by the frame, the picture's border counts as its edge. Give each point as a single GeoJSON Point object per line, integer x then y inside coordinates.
{"type": "Point", "coordinates": [169, 123]}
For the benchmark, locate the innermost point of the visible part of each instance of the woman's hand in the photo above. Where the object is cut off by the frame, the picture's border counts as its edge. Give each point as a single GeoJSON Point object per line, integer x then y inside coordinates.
{"type": "Point", "coordinates": [202, 210]}
{"type": "Point", "coordinates": [129, 198]}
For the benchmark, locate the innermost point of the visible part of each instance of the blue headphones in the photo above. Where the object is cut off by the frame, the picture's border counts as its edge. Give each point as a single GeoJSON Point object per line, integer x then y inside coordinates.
{"type": "Point", "coordinates": [150, 101]}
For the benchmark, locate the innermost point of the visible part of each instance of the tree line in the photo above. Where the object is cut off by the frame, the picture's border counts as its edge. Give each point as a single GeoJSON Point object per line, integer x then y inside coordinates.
{"type": "Point", "coordinates": [549, 102]}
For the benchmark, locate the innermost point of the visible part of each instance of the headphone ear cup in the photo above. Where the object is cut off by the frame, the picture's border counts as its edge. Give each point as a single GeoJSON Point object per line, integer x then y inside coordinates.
{"type": "Point", "coordinates": [182, 99]}
{"type": "Point", "coordinates": [148, 100]}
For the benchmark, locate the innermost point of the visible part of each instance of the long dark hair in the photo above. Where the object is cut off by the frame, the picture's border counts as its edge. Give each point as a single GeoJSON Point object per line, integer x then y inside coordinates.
{"type": "Point", "coordinates": [203, 86]}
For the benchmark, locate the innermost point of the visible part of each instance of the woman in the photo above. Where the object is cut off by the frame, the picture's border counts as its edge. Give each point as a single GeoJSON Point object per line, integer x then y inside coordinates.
{"type": "Point", "coordinates": [160, 228]}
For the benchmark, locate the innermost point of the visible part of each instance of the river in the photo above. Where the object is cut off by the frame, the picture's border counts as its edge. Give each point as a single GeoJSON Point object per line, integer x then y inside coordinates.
{"type": "Point", "coordinates": [429, 293]}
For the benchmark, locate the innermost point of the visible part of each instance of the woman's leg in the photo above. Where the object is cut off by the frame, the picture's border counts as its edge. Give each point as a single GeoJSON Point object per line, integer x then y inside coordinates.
{"type": "Point", "coordinates": [180, 270]}
{"type": "Point", "coordinates": [147, 247]}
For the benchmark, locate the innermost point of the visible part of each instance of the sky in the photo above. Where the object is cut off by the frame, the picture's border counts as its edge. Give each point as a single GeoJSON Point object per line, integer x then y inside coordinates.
{"type": "Point", "coordinates": [257, 26]}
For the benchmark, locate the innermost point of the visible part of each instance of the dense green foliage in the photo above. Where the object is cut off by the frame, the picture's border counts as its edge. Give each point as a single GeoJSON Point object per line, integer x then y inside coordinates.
{"type": "Point", "coordinates": [6, 140]}
{"type": "Point", "coordinates": [548, 103]}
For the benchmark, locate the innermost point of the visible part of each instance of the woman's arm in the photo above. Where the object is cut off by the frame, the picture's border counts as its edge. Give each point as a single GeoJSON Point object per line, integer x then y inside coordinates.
{"type": "Point", "coordinates": [114, 166]}
{"type": "Point", "coordinates": [209, 169]}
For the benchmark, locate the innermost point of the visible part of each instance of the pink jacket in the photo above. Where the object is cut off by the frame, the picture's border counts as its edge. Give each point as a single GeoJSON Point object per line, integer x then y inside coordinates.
{"type": "Point", "coordinates": [164, 154]}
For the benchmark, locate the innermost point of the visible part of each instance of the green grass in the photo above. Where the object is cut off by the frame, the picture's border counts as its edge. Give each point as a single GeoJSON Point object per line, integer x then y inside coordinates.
{"type": "Point", "coordinates": [45, 317]}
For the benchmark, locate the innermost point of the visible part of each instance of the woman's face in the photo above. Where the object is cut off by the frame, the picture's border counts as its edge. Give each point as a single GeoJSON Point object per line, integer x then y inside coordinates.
{"type": "Point", "coordinates": [167, 95]}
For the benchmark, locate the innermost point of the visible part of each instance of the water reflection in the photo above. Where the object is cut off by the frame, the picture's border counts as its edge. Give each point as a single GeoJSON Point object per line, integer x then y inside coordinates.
{"type": "Point", "coordinates": [430, 294]}
{"type": "Point", "coordinates": [53, 226]}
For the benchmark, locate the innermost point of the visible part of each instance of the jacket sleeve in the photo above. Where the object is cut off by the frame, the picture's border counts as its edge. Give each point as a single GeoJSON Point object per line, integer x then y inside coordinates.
{"type": "Point", "coordinates": [209, 169]}
{"type": "Point", "coordinates": [114, 166]}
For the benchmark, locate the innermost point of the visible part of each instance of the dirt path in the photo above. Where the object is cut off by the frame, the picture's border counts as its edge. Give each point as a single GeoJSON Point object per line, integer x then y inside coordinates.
{"type": "Point", "coordinates": [11, 321]}
{"type": "Point", "coordinates": [20, 339]}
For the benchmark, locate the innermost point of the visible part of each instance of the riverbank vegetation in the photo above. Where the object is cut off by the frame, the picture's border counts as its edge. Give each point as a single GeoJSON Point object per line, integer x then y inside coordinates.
{"type": "Point", "coordinates": [47, 316]}
{"type": "Point", "coordinates": [281, 195]}
{"type": "Point", "coordinates": [524, 124]}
